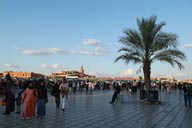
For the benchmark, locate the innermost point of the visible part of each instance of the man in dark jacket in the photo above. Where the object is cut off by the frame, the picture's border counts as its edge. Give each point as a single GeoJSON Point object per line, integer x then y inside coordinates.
{"type": "Point", "coordinates": [42, 99]}
{"type": "Point", "coordinates": [56, 92]}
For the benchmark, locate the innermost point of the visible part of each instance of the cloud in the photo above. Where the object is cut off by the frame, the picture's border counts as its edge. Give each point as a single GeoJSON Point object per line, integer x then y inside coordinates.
{"type": "Point", "coordinates": [45, 66]}
{"type": "Point", "coordinates": [128, 71]}
{"type": "Point", "coordinates": [93, 72]}
{"type": "Point", "coordinates": [57, 66]}
{"type": "Point", "coordinates": [43, 51]}
{"type": "Point", "coordinates": [98, 74]}
{"type": "Point", "coordinates": [91, 42]}
{"type": "Point", "coordinates": [54, 66]}
{"type": "Point", "coordinates": [85, 52]}
{"type": "Point", "coordinates": [157, 75]}
{"type": "Point", "coordinates": [187, 46]}
{"type": "Point", "coordinates": [98, 51]}
{"type": "Point", "coordinates": [11, 66]}
{"type": "Point", "coordinates": [179, 75]}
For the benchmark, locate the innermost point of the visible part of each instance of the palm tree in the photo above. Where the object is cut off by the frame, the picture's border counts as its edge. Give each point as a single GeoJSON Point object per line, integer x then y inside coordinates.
{"type": "Point", "coordinates": [150, 44]}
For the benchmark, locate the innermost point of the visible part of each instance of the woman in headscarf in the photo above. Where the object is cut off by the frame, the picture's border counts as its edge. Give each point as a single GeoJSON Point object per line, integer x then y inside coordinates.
{"type": "Point", "coordinates": [29, 99]}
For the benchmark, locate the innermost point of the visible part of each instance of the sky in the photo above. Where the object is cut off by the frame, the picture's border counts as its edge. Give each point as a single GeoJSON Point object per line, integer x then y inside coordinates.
{"type": "Point", "coordinates": [46, 36]}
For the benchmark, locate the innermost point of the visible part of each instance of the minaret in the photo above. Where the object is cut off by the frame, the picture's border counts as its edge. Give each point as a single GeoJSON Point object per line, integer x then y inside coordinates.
{"type": "Point", "coordinates": [81, 71]}
{"type": "Point", "coordinates": [172, 77]}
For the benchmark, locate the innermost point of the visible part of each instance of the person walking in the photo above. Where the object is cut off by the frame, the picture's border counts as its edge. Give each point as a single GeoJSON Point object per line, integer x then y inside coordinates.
{"type": "Point", "coordinates": [56, 92]}
{"type": "Point", "coordinates": [9, 98]}
{"type": "Point", "coordinates": [70, 85]}
{"type": "Point", "coordinates": [90, 84]}
{"type": "Point", "coordinates": [63, 90]}
{"type": "Point", "coordinates": [186, 95]}
{"type": "Point", "coordinates": [87, 87]}
{"type": "Point", "coordinates": [29, 99]}
{"type": "Point", "coordinates": [81, 86]}
{"type": "Point", "coordinates": [1, 92]}
{"type": "Point", "coordinates": [180, 88]}
{"type": "Point", "coordinates": [18, 103]}
{"type": "Point", "coordinates": [134, 87]}
{"type": "Point", "coordinates": [117, 90]}
{"type": "Point", "coordinates": [74, 85]}
{"type": "Point", "coordinates": [190, 94]}
{"type": "Point", "coordinates": [42, 100]}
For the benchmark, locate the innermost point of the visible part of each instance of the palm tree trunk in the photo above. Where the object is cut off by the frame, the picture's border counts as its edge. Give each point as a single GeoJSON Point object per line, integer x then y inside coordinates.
{"type": "Point", "coordinates": [147, 79]}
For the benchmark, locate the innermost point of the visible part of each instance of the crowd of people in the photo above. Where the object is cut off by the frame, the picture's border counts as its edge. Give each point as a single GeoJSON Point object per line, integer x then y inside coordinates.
{"type": "Point", "coordinates": [34, 98]}
{"type": "Point", "coordinates": [34, 94]}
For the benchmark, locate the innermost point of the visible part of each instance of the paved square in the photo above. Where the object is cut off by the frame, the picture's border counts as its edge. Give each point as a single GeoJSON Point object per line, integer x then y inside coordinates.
{"type": "Point", "coordinates": [94, 111]}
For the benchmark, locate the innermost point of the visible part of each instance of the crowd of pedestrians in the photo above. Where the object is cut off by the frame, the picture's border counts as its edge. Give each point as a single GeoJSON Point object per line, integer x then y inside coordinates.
{"type": "Point", "coordinates": [34, 97]}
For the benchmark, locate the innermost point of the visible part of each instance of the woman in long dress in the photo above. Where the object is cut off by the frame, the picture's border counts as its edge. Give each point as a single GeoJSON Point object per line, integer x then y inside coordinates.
{"type": "Point", "coordinates": [29, 99]}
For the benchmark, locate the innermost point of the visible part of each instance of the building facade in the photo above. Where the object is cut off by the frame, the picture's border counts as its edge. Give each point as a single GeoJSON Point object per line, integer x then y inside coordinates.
{"type": "Point", "coordinates": [77, 74]}
{"type": "Point", "coordinates": [25, 75]}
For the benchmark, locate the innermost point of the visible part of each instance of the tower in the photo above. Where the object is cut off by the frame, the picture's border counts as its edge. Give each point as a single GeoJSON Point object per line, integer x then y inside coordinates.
{"type": "Point", "coordinates": [81, 71]}
{"type": "Point", "coordinates": [172, 78]}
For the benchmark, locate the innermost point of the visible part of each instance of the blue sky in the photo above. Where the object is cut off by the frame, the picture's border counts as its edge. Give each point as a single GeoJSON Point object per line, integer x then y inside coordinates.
{"type": "Point", "coordinates": [53, 35]}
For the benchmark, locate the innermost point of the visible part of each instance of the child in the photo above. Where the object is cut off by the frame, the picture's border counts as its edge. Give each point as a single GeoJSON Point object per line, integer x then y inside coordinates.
{"type": "Point", "coordinates": [18, 103]}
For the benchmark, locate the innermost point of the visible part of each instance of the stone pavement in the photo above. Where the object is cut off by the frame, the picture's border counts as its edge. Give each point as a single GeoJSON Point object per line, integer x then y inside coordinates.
{"type": "Point", "coordinates": [94, 111]}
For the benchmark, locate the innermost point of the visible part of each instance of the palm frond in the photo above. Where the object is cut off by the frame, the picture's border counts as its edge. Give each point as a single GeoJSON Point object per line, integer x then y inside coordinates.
{"type": "Point", "coordinates": [139, 70]}
{"type": "Point", "coordinates": [123, 49]}
{"type": "Point", "coordinates": [164, 41]}
{"type": "Point", "coordinates": [128, 58]}
{"type": "Point", "coordinates": [171, 56]}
